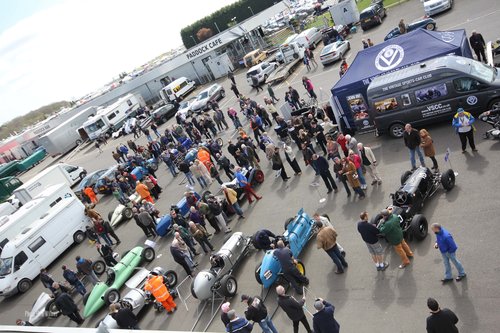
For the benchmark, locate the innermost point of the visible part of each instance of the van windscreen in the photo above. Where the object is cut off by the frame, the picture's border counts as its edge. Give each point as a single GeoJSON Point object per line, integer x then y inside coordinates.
{"type": "Point", "coordinates": [5, 266]}
{"type": "Point", "coordinates": [482, 71]}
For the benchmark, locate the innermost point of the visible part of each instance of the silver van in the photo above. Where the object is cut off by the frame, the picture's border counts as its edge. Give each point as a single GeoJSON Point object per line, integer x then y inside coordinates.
{"type": "Point", "coordinates": [432, 91]}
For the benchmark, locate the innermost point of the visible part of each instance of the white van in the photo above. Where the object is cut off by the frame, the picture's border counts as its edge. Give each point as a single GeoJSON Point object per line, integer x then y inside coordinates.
{"type": "Point", "coordinates": [309, 38]}
{"type": "Point", "coordinates": [13, 224]}
{"type": "Point", "coordinates": [177, 89]}
{"type": "Point", "coordinates": [55, 174]}
{"type": "Point", "coordinates": [38, 245]}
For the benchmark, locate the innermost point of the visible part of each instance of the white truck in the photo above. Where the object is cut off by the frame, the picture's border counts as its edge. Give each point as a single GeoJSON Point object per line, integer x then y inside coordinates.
{"type": "Point", "coordinates": [59, 173]}
{"type": "Point", "coordinates": [65, 137]}
{"type": "Point", "coordinates": [12, 224]}
{"type": "Point", "coordinates": [39, 244]}
{"type": "Point", "coordinates": [177, 89]}
{"type": "Point", "coordinates": [289, 56]}
{"type": "Point", "coordinates": [111, 118]}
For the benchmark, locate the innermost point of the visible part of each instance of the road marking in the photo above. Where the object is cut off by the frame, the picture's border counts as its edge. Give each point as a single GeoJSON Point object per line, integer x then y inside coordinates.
{"type": "Point", "coordinates": [474, 19]}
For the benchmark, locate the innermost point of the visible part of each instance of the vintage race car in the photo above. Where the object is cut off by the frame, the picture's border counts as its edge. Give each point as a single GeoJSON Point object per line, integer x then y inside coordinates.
{"type": "Point", "coordinates": [44, 307]}
{"type": "Point", "coordinates": [255, 176]}
{"type": "Point", "coordinates": [164, 225]}
{"type": "Point", "coordinates": [123, 212]}
{"type": "Point", "coordinates": [217, 280]}
{"type": "Point", "coordinates": [408, 200]}
{"type": "Point", "coordinates": [107, 292]}
{"type": "Point", "coordinates": [136, 298]}
{"type": "Point", "coordinates": [298, 231]}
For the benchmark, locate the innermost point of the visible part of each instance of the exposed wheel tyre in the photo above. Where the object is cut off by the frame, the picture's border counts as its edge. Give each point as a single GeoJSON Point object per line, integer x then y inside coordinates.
{"type": "Point", "coordinates": [405, 176]}
{"type": "Point", "coordinates": [259, 176]}
{"type": "Point", "coordinates": [51, 309]}
{"type": "Point", "coordinates": [78, 236]}
{"type": "Point", "coordinates": [301, 267]}
{"type": "Point", "coordinates": [430, 26]}
{"type": "Point", "coordinates": [192, 290]}
{"type": "Point", "coordinates": [229, 286]}
{"type": "Point", "coordinates": [127, 213]}
{"type": "Point", "coordinates": [288, 221]}
{"type": "Point", "coordinates": [24, 285]}
{"type": "Point", "coordinates": [99, 267]}
{"type": "Point", "coordinates": [111, 296]}
{"type": "Point", "coordinates": [148, 254]}
{"type": "Point", "coordinates": [396, 130]}
{"type": "Point", "coordinates": [110, 215]}
{"type": "Point", "coordinates": [448, 179]}
{"type": "Point", "coordinates": [171, 278]}
{"type": "Point", "coordinates": [153, 166]}
{"type": "Point", "coordinates": [265, 77]}
{"type": "Point", "coordinates": [85, 298]}
{"type": "Point", "coordinates": [257, 273]}
{"type": "Point", "coordinates": [494, 104]}
{"type": "Point", "coordinates": [419, 227]}
{"type": "Point", "coordinates": [205, 195]}
{"type": "Point", "coordinates": [220, 142]}
{"type": "Point", "coordinates": [78, 142]}
{"type": "Point", "coordinates": [82, 175]}
{"type": "Point", "coordinates": [222, 94]}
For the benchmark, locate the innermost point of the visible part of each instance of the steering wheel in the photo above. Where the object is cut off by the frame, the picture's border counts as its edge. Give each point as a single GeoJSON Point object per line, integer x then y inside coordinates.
{"type": "Point", "coordinates": [400, 197]}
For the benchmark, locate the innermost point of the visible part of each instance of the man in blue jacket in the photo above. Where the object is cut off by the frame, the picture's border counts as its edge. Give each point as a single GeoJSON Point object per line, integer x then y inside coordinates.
{"type": "Point", "coordinates": [447, 246]}
{"type": "Point", "coordinates": [323, 319]}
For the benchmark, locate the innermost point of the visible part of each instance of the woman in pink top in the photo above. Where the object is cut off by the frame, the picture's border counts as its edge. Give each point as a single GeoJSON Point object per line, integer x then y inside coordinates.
{"type": "Point", "coordinates": [354, 158]}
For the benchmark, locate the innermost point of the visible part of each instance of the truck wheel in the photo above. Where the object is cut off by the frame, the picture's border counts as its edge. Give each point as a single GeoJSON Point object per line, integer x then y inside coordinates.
{"type": "Point", "coordinates": [51, 309]}
{"type": "Point", "coordinates": [257, 273]}
{"type": "Point", "coordinates": [111, 296]}
{"type": "Point", "coordinates": [78, 142]}
{"type": "Point", "coordinates": [82, 175]}
{"type": "Point", "coordinates": [148, 254]}
{"type": "Point", "coordinates": [448, 179]}
{"type": "Point", "coordinates": [127, 213]}
{"type": "Point", "coordinates": [418, 227]}
{"type": "Point", "coordinates": [405, 176]}
{"type": "Point", "coordinates": [229, 286]}
{"type": "Point", "coordinates": [170, 278]}
{"type": "Point", "coordinates": [288, 221]}
{"type": "Point", "coordinates": [396, 130]}
{"type": "Point", "coordinates": [78, 236]}
{"type": "Point", "coordinates": [295, 56]}
{"type": "Point", "coordinates": [24, 285]}
{"type": "Point", "coordinates": [301, 267]}
{"type": "Point", "coordinates": [430, 26]}
{"type": "Point", "coordinates": [99, 267]}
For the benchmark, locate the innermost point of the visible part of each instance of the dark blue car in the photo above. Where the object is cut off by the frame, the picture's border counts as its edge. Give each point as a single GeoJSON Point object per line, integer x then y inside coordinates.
{"type": "Point", "coordinates": [425, 23]}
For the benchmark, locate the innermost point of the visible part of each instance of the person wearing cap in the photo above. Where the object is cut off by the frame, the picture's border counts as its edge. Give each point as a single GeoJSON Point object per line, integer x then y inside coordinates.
{"type": "Point", "coordinates": [463, 124]}
{"type": "Point", "coordinates": [412, 141]}
{"type": "Point", "coordinates": [232, 199]}
{"type": "Point", "coordinates": [245, 185]}
{"type": "Point", "coordinates": [327, 240]}
{"type": "Point", "coordinates": [324, 320]}
{"type": "Point", "coordinates": [369, 233]}
{"type": "Point", "coordinates": [257, 312]}
{"type": "Point", "coordinates": [440, 320]}
{"type": "Point", "coordinates": [293, 309]}
{"type": "Point", "coordinates": [73, 280]}
{"type": "Point", "coordinates": [124, 317]}
{"type": "Point", "coordinates": [237, 324]}
{"type": "Point", "coordinates": [156, 285]}
{"type": "Point", "coordinates": [448, 248]}
{"type": "Point", "coordinates": [392, 231]}
{"type": "Point", "coordinates": [106, 253]}
{"type": "Point", "coordinates": [288, 267]}
{"type": "Point", "coordinates": [225, 308]}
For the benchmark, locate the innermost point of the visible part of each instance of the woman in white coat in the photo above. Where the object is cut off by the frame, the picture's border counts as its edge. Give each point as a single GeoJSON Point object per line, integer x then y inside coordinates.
{"type": "Point", "coordinates": [370, 162]}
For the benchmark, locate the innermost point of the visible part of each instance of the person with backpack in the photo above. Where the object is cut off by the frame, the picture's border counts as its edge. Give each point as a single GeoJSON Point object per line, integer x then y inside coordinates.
{"type": "Point", "coordinates": [257, 312]}
{"type": "Point", "coordinates": [101, 231]}
{"type": "Point", "coordinates": [73, 280]}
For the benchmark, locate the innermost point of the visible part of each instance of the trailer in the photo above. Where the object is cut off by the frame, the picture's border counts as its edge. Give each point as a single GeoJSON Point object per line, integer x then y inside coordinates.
{"type": "Point", "coordinates": [289, 55]}
{"type": "Point", "coordinates": [65, 137]}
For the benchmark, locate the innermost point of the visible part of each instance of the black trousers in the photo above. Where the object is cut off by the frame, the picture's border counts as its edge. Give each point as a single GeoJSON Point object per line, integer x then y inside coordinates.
{"type": "Point", "coordinates": [304, 322]}
{"type": "Point", "coordinates": [467, 136]}
{"type": "Point", "coordinates": [434, 162]}
{"type": "Point", "coordinates": [295, 166]}
{"type": "Point", "coordinates": [480, 53]}
{"type": "Point", "coordinates": [283, 174]}
{"type": "Point", "coordinates": [328, 179]}
{"type": "Point", "coordinates": [295, 278]}
{"type": "Point", "coordinates": [75, 316]}
{"type": "Point", "coordinates": [322, 144]}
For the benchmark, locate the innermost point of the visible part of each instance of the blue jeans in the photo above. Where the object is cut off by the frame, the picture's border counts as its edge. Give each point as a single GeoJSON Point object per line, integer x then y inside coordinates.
{"type": "Point", "coordinates": [237, 209]}
{"type": "Point", "coordinates": [420, 157]}
{"type": "Point", "coordinates": [189, 177]}
{"type": "Point", "coordinates": [447, 267]}
{"type": "Point", "coordinates": [80, 288]}
{"type": "Point", "coordinates": [267, 326]}
{"type": "Point", "coordinates": [171, 167]}
{"type": "Point", "coordinates": [361, 176]}
{"type": "Point", "coordinates": [337, 258]}
{"type": "Point", "coordinates": [202, 181]}
{"type": "Point", "coordinates": [149, 137]}
{"type": "Point", "coordinates": [106, 238]}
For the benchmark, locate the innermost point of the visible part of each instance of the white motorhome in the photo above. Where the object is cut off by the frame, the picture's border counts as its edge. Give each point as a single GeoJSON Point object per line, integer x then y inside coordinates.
{"type": "Point", "coordinates": [39, 244]}
{"type": "Point", "coordinates": [177, 89]}
{"type": "Point", "coordinates": [65, 137]}
{"type": "Point", "coordinates": [54, 174]}
{"type": "Point", "coordinates": [111, 118]}
{"type": "Point", "coordinates": [11, 225]}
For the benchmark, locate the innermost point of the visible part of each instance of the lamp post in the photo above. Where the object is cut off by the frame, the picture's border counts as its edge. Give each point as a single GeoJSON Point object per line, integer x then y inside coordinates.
{"type": "Point", "coordinates": [218, 30]}
{"type": "Point", "coordinates": [194, 40]}
{"type": "Point", "coordinates": [251, 10]}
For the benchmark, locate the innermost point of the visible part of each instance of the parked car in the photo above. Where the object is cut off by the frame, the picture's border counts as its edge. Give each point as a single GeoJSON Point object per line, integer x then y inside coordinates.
{"type": "Point", "coordinates": [372, 15]}
{"type": "Point", "coordinates": [124, 212]}
{"type": "Point", "coordinates": [262, 71]}
{"type": "Point", "coordinates": [425, 23]}
{"type": "Point", "coordinates": [433, 7]}
{"type": "Point", "coordinates": [333, 52]}
{"type": "Point", "coordinates": [164, 225]}
{"type": "Point", "coordinates": [214, 93]}
{"type": "Point", "coordinates": [185, 108]}
{"type": "Point", "coordinates": [335, 33]}
{"type": "Point", "coordinates": [163, 113]}
{"type": "Point", "coordinates": [102, 186]}
{"type": "Point", "coordinates": [89, 180]}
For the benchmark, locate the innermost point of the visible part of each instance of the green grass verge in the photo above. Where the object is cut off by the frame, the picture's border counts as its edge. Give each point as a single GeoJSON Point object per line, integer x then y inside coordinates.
{"type": "Point", "coordinates": [365, 3]}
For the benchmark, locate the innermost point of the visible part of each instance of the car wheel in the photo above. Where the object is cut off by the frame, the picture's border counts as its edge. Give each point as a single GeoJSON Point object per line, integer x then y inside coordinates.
{"type": "Point", "coordinates": [111, 296]}
{"type": "Point", "coordinates": [51, 309]}
{"type": "Point", "coordinates": [419, 227]}
{"type": "Point", "coordinates": [86, 298]}
{"type": "Point", "coordinates": [257, 273]}
{"type": "Point", "coordinates": [220, 142]}
{"type": "Point", "coordinates": [148, 254]}
{"type": "Point", "coordinates": [99, 267]}
{"type": "Point", "coordinates": [288, 221]}
{"type": "Point", "coordinates": [78, 236]}
{"type": "Point", "coordinates": [448, 179]}
{"type": "Point", "coordinates": [127, 213]}
{"type": "Point", "coordinates": [430, 26]}
{"type": "Point", "coordinates": [153, 166]}
{"type": "Point", "coordinates": [396, 130]}
{"type": "Point", "coordinates": [24, 285]}
{"type": "Point", "coordinates": [259, 176]}
{"type": "Point", "coordinates": [78, 142]}
{"type": "Point", "coordinates": [82, 175]}
{"type": "Point", "coordinates": [301, 267]}
{"type": "Point", "coordinates": [265, 77]}
{"type": "Point", "coordinates": [229, 286]}
{"type": "Point", "coordinates": [204, 195]}
{"type": "Point", "coordinates": [494, 105]}
{"type": "Point", "coordinates": [405, 176]}
{"type": "Point", "coordinates": [192, 289]}
{"type": "Point", "coordinates": [222, 94]}
{"type": "Point", "coordinates": [110, 215]}
{"type": "Point", "coordinates": [171, 278]}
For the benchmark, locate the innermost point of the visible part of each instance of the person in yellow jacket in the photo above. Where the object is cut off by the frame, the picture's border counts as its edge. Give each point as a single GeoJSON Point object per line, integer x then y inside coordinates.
{"type": "Point", "coordinates": [156, 286]}
{"type": "Point", "coordinates": [232, 198]}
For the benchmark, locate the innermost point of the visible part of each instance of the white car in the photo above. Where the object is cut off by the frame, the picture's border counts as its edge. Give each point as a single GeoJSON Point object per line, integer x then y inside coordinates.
{"type": "Point", "coordinates": [122, 212]}
{"type": "Point", "coordinates": [433, 7]}
{"type": "Point", "coordinates": [262, 71]}
{"type": "Point", "coordinates": [184, 110]}
{"type": "Point", "coordinates": [214, 93]}
{"type": "Point", "coordinates": [334, 51]}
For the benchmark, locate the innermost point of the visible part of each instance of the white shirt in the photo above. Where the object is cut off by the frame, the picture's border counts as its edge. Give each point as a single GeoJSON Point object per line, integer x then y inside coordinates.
{"type": "Point", "coordinates": [464, 125]}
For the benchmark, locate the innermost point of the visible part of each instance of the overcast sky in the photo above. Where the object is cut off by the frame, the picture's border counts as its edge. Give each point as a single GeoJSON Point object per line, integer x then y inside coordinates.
{"type": "Point", "coordinates": [53, 50]}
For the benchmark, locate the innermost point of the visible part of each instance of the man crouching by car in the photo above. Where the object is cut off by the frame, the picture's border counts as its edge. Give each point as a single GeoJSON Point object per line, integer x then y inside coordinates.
{"type": "Point", "coordinates": [392, 231]}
